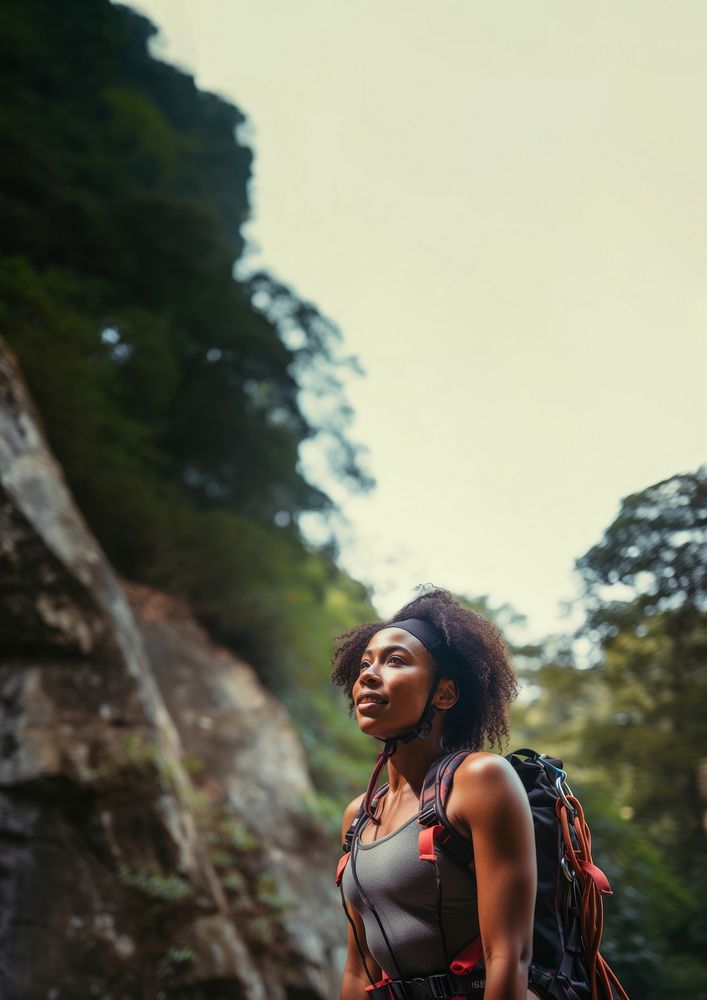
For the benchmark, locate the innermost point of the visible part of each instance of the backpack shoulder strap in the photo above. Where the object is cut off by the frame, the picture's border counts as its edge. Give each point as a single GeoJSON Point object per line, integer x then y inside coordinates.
{"type": "Point", "coordinates": [436, 787]}
{"type": "Point", "coordinates": [435, 828]}
{"type": "Point", "coordinates": [353, 830]}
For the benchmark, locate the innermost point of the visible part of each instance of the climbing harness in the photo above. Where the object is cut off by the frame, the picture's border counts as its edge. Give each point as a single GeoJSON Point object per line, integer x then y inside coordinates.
{"type": "Point", "coordinates": [566, 963]}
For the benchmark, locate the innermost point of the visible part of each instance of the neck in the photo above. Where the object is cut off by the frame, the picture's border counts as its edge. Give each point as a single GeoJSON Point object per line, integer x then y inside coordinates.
{"type": "Point", "coordinates": [411, 762]}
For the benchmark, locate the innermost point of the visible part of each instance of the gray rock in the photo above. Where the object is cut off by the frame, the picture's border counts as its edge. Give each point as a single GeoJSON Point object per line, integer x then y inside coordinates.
{"type": "Point", "coordinates": [249, 765]}
{"type": "Point", "coordinates": [124, 875]}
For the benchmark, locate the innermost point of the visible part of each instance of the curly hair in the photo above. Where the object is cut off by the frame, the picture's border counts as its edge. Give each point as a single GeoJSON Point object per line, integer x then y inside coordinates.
{"type": "Point", "coordinates": [485, 679]}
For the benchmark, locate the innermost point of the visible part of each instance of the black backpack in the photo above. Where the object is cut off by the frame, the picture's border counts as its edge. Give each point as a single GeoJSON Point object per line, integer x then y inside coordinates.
{"type": "Point", "coordinates": [566, 963]}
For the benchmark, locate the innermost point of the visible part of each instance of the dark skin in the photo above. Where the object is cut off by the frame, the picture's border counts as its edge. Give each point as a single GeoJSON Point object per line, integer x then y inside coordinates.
{"type": "Point", "coordinates": [487, 804]}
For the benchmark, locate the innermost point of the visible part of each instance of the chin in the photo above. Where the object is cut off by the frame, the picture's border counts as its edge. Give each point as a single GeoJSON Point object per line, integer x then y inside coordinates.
{"type": "Point", "coordinates": [367, 726]}
{"type": "Point", "coordinates": [379, 729]}
{"type": "Point", "coordinates": [373, 727]}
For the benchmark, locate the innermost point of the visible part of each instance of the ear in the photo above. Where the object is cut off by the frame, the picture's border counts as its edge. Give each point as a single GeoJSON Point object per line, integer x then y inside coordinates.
{"type": "Point", "coordinates": [446, 696]}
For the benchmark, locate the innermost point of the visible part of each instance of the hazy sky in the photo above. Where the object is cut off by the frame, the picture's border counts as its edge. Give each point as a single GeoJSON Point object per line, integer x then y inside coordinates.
{"type": "Point", "coordinates": [504, 208]}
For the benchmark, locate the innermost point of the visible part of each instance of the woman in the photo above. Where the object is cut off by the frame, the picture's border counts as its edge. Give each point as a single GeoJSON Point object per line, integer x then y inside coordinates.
{"type": "Point", "coordinates": [436, 678]}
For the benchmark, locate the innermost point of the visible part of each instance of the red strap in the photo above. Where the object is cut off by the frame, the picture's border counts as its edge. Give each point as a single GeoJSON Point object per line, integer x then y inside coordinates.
{"type": "Point", "coordinates": [343, 861]}
{"type": "Point", "coordinates": [597, 876]}
{"type": "Point", "coordinates": [381, 982]}
{"type": "Point", "coordinates": [468, 958]}
{"type": "Point", "coordinates": [426, 842]}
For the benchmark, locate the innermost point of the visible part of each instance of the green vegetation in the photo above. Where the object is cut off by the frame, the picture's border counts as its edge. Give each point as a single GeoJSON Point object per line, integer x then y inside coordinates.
{"type": "Point", "coordinates": [155, 885]}
{"type": "Point", "coordinates": [237, 854]}
{"type": "Point", "coordinates": [175, 961]}
{"type": "Point", "coordinates": [631, 727]}
{"type": "Point", "coordinates": [137, 763]}
{"type": "Point", "coordinates": [172, 394]}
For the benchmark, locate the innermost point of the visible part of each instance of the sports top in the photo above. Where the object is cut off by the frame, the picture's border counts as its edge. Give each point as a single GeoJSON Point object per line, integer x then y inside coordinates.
{"type": "Point", "coordinates": [389, 874]}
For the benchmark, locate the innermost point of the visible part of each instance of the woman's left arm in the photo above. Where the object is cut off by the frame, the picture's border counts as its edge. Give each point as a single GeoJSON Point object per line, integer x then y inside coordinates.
{"type": "Point", "coordinates": [492, 804]}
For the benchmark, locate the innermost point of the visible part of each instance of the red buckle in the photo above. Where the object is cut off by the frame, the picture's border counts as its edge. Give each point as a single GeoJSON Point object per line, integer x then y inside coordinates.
{"type": "Point", "coordinates": [343, 861]}
{"type": "Point", "coordinates": [380, 984]}
{"type": "Point", "coordinates": [426, 842]}
{"type": "Point", "coordinates": [468, 958]}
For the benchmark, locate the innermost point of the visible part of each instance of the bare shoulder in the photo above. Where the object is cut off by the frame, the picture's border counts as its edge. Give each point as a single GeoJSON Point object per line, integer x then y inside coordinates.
{"type": "Point", "coordinates": [481, 767]}
{"type": "Point", "coordinates": [485, 783]}
{"type": "Point", "coordinates": [350, 813]}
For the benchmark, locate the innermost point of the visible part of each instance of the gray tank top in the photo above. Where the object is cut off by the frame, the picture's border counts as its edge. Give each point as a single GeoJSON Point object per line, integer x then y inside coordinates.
{"type": "Point", "coordinates": [390, 875]}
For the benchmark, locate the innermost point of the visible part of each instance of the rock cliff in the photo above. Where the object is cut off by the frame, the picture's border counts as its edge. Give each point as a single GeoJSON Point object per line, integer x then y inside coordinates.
{"type": "Point", "coordinates": [155, 838]}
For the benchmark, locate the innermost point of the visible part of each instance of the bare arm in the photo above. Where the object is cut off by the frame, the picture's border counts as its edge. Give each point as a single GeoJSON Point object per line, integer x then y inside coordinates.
{"type": "Point", "coordinates": [492, 804]}
{"type": "Point", "coordinates": [355, 980]}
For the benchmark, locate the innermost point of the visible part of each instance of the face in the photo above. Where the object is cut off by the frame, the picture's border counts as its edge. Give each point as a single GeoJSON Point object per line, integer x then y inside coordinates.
{"type": "Point", "coordinates": [393, 685]}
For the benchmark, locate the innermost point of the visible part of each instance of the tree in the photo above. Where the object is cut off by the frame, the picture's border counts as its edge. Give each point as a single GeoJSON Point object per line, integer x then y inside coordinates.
{"type": "Point", "coordinates": [630, 727]}
{"type": "Point", "coordinates": [646, 590]}
{"type": "Point", "coordinates": [177, 398]}
{"type": "Point", "coordinates": [646, 593]}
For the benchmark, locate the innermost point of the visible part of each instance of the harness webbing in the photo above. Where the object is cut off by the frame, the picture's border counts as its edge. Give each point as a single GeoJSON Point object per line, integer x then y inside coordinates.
{"type": "Point", "coordinates": [367, 901]}
{"type": "Point", "coordinates": [443, 936]}
{"type": "Point", "coordinates": [372, 795]}
{"type": "Point", "coordinates": [356, 937]}
{"type": "Point", "coordinates": [421, 731]}
{"type": "Point", "coordinates": [574, 958]}
{"type": "Point", "coordinates": [460, 980]}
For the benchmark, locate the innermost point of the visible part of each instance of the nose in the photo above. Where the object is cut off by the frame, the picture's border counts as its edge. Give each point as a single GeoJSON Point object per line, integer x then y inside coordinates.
{"type": "Point", "coordinates": [369, 677]}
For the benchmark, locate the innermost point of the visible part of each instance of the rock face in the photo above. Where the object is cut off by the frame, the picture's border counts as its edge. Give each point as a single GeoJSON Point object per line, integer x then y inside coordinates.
{"type": "Point", "coordinates": [249, 767]}
{"type": "Point", "coordinates": [155, 839]}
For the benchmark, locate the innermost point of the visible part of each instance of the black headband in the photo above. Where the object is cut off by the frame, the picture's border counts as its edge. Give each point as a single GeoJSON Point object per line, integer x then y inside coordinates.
{"type": "Point", "coordinates": [431, 639]}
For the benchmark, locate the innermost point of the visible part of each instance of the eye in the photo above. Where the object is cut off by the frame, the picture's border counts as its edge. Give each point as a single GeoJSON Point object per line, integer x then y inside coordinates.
{"type": "Point", "coordinates": [394, 658]}
{"type": "Point", "coordinates": [364, 664]}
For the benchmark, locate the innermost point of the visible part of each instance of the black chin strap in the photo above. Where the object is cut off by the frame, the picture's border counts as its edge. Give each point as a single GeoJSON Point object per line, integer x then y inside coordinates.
{"type": "Point", "coordinates": [421, 731]}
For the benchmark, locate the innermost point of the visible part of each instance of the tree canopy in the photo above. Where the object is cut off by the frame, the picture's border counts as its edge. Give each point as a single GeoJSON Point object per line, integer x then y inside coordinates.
{"type": "Point", "coordinates": [172, 393]}
{"type": "Point", "coordinates": [176, 396]}
{"type": "Point", "coordinates": [632, 726]}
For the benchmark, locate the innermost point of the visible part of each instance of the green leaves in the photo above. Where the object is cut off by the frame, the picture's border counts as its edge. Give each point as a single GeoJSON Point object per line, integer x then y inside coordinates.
{"type": "Point", "coordinates": [175, 404]}
{"type": "Point", "coordinates": [652, 557]}
{"type": "Point", "coordinates": [631, 728]}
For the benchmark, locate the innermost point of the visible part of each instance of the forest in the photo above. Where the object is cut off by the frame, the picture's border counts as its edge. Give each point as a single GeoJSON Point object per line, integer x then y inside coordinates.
{"type": "Point", "coordinates": [171, 393]}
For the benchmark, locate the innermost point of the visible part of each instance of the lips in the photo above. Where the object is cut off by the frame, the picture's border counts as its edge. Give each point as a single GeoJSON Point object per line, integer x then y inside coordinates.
{"type": "Point", "coordinates": [368, 699]}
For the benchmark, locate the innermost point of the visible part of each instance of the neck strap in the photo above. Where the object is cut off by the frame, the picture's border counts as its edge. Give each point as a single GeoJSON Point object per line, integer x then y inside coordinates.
{"type": "Point", "coordinates": [434, 643]}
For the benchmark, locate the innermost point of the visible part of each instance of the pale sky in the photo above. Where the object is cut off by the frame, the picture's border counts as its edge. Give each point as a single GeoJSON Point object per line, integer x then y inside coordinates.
{"type": "Point", "coordinates": [503, 206]}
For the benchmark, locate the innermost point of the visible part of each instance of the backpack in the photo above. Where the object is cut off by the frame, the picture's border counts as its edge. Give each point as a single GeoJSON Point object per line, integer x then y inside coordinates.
{"type": "Point", "coordinates": [566, 963]}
